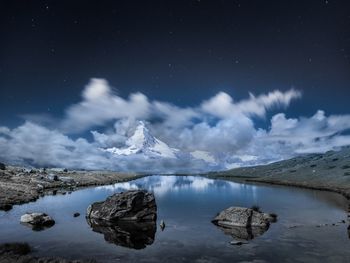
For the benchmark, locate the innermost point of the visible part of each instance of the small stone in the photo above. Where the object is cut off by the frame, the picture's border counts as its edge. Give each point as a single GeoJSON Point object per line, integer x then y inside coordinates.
{"type": "Point", "coordinates": [76, 214]}
{"type": "Point", "coordinates": [2, 166]}
{"type": "Point", "coordinates": [162, 225]}
{"type": "Point", "coordinates": [5, 207]}
{"type": "Point", "coordinates": [238, 243]}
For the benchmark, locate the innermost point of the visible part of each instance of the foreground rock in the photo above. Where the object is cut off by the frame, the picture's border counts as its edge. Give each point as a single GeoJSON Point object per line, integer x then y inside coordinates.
{"type": "Point", "coordinates": [37, 221]}
{"type": "Point", "coordinates": [136, 235]}
{"type": "Point", "coordinates": [134, 205]}
{"type": "Point", "coordinates": [20, 252]}
{"type": "Point", "coordinates": [243, 223]}
{"type": "Point", "coordinates": [126, 219]}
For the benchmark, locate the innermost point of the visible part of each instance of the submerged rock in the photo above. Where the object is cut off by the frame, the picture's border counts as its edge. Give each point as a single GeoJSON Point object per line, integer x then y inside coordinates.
{"type": "Point", "coordinates": [37, 221]}
{"type": "Point", "coordinates": [76, 214]}
{"type": "Point", "coordinates": [2, 166]}
{"type": "Point", "coordinates": [136, 235]}
{"type": "Point", "coordinates": [21, 252]}
{"type": "Point", "coordinates": [134, 205]}
{"type": "Point", "coordinates": [243, 223]}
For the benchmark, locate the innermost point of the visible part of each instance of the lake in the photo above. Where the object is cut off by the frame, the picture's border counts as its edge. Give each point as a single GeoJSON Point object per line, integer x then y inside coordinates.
{"type": "Point", "coordinates": [187, 204]}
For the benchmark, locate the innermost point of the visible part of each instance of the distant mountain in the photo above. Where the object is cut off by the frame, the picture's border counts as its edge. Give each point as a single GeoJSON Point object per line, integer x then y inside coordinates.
{"type": "Point", "coordinates": [143, 143]}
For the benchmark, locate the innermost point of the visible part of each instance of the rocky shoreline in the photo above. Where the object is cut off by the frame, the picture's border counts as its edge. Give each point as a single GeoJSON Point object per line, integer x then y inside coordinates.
{"type": "Point", "coordinates": [328, 172]}
{"type": "Point", "coordinates": [19, 185]}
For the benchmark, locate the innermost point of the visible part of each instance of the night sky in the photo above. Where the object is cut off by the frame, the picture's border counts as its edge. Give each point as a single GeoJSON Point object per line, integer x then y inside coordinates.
{"type": "Point", "coordinates": [177, 51]}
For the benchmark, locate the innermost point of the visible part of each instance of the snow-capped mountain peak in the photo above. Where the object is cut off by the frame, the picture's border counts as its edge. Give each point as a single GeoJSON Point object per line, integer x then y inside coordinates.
{"type": "Point", "coordinates": [141, 137]}
{"type": "Point", "coordinates": [143, 142]}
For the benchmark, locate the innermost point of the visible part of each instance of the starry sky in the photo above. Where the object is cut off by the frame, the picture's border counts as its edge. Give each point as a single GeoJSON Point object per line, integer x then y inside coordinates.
{"type": "Point", "coordinates": [225, 83]}
{"type": "Point", "coordinates": [177, 51]}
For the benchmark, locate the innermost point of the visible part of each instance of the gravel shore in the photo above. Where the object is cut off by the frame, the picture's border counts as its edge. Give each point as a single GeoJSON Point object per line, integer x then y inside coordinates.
{"type": "Point", "coordinates": [19, 185]}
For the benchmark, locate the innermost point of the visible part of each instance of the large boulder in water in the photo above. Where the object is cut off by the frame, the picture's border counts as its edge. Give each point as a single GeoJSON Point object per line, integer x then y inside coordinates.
{"type": "Point", "coordinates": [134, 205]}
{"type": "Point", "coordinates": [243, 223]}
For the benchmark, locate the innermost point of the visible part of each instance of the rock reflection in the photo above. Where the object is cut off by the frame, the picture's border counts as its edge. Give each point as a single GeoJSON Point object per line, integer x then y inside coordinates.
{"type": "Point", "coordinates": [37, 228]}
{"type": "Point", "coordinates": [244, 233]}
{"type": "Point", "coordinates": [136, 235]}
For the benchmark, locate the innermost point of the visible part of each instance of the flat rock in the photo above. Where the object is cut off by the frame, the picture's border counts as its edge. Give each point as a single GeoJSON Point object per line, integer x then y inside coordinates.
{"type": "Point", "coordinates": [38, 221]}
{"type": "Point", "coordinates": [243, 223]}
{"type": "Point", "coordinates": [134, 205]}
{"type": "Point", "coordinates": [242, 217]}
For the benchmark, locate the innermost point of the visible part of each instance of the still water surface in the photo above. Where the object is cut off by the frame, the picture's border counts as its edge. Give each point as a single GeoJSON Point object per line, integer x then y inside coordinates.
{"type": "Point", "coordinates": [187, 204]}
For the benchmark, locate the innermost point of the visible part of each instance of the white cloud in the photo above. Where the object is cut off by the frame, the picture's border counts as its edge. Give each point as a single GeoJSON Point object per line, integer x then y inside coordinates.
{"type": "Point", "coordinates": [220, 127]}
{"type": "Point", "coordinates": [290, 136]}
{"type": "Point", "coordinates": [223, 106]}
{"type": "Point", "coordinates": [100, 105]}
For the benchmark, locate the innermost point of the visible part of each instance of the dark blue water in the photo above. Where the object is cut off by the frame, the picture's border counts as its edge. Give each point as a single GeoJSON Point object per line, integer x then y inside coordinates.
{"type": "Point", "coordinates": [187, 204]}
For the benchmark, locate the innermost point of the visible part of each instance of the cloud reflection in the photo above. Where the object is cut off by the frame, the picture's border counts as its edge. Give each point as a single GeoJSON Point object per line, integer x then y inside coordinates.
{"type": "Point", "coordinates": [161, 185]}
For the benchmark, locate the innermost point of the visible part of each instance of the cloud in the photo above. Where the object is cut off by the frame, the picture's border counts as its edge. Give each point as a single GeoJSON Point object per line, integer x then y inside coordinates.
{"type": "Point", "coordinates": [32, 144]}
{"type": "Point", "coordinates": [288, 137]}
{"type": "Point", "coordinates": [100, 105]}
{"type": "Point", "coordinates": [223, 106]}
{"type": "Point", "coordinates": [36, 145]}
{"type": "Point", "coordinates": [220, 127]}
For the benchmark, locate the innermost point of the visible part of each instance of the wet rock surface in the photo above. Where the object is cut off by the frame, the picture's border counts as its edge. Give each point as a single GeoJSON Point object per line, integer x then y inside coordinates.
{"type": "Point", "coordinates": [134, 205]}
{"type": "Point", "coordinates": [243, 223]}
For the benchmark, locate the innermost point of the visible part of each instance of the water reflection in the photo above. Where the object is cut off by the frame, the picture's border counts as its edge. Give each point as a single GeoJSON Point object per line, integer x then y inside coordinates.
{"type": "Point", "coordinates": [187, 205]}
{"type": "Point", "coordinates": [136, 235]}
{"type": "Point", "coordinates": [37, 227]}
{"type": "Point", "coordinates": [162, 185]}
{"type": "Point", "coordinates": [244, 233]}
